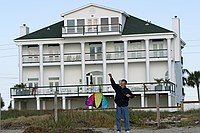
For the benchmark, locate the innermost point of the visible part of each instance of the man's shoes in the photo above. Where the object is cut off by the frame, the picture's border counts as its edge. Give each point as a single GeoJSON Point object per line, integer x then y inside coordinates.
{"type": "Point", "coordinates": [118, 131]}
{"type": "Point", "coordinates": [128, 132]}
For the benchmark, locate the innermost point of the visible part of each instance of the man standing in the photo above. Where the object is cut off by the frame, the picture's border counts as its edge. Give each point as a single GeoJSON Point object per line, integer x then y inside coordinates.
{"type": "Point", "coordinates": [121, 99]}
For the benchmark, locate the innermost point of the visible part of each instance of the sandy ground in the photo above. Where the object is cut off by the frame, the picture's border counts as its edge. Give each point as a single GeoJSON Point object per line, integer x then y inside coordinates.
{"type": "Point", "coordinates": [11, 131]}
{"type": "Point", "coordinates": [171, 130]}
{"type": "Point", "coordinates": [105, 130]}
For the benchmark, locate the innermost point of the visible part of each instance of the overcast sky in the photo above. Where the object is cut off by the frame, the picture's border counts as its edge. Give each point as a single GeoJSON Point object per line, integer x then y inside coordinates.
{"type": "Point", "coordinates": [40, 13]}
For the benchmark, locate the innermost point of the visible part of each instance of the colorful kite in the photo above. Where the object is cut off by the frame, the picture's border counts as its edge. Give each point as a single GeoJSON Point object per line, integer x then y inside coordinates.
{"type": "Point", "coordinates": [97, 100]}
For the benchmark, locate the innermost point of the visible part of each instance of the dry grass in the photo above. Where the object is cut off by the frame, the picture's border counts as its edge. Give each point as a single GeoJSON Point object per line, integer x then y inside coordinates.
{"type": "Point", "coordinates": [66, 119]}
{"type": "Point", "coordinates": [48, 130]}
{"type": "Point", "coordinates": [78, 119]}
{"type": "Point", "coordinates": [23, 122]}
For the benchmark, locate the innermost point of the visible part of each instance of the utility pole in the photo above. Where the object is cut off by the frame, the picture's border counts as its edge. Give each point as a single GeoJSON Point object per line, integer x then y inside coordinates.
{"type": "Point", "coordinates": [0, 112]}
{"type": "Point", "coordinates": [55, 106]}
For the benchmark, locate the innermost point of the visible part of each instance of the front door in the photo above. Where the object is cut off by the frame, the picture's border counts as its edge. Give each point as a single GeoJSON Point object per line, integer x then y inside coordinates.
{"type": "Point", "coordinates": [94, 80]}
{"type": "Point", "coordinates": [53, 83]}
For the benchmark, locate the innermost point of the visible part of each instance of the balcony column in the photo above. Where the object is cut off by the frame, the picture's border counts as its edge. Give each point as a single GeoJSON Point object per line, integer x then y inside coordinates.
{"type": "Point", "coordinates": [68, 104]}
{"type": "Point", "coordinates": [41, 65]}
{"type": "Point", "coordinates": [19, 105]}
{"type": "Point", "coordinates": [83, 63]}
{"type": "Point", "coordinates": [173, 78]}
{"type": "Point", "coordinates": [145, 101]}
{"type": "Point", "coordinates": [38, 103]}
{"type": "Point", "coordinates": [169, 100]}
{"type": "Point", "coordinates": [104, 63]}
{"type": "Point", "coordinates": [142, 100]}
{"type": "Point", "coordinates": [147, 61]}
{"type": "Point", "coordinates": [12, 103]}
{"type": "Point", "coordinates": [43, 105]}
{"type": "Point", "coordinates": [169, 58]}
{"type": "Point", "coordinates": [126, 60]}
{"type": "Point", "coordinates": [62, 74]}
{"type": "Point", "coordinates": [63, 102]}
{"type": "Point", "coordinates": [20, 64]}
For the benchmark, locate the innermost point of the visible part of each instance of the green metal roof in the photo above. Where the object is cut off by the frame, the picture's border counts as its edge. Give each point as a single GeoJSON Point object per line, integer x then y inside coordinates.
{"type": "Point", "coordinates": [52, 31]}
{"type": "Point", "coordinates": [133, 25]}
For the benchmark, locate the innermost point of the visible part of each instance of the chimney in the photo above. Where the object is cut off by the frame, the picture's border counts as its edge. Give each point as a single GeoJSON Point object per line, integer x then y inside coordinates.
{"type": "Point", "coordinates": [177, 39]}
{"type": "Point", "coordinates": [176, 25]}
{"type": "Point", "coordinates": [24, 30]}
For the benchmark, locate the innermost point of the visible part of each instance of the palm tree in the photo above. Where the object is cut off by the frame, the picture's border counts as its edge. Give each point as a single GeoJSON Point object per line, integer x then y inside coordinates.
{"type": "Point", "coordinates": [2, 103]}
{"type": "Point", "coordinates": [193, 80]}
{"type": "Point", "coordinates": [21, 85]}
{"type": "Point", "coordinates": [185, 73]}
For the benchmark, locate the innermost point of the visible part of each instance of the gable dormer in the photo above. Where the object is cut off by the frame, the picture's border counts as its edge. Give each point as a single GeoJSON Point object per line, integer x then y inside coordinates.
{"type": "Point", "coordinates": [93, 20]}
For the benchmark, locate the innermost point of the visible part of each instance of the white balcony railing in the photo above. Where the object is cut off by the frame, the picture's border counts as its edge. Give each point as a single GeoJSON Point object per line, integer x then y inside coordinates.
{"type": "Point", "coordinates": [158, 53]}
{"type": "Point", "coordinates": [92, 29]}
{"type": "Point", "coordinates": [136, 54]}
{"type": "Point", "coordinates": [72, 57]}
{"type": "Point", "coordinates": [110, 55]}
{"type": "Point", "coordinates": [115, 55]}
{"type": "Point", "coordinates": [51, 58]}
{"type": "Point", "coordinates": [85, 89]}
{"type": "Point", "coordinates": [30, 59]}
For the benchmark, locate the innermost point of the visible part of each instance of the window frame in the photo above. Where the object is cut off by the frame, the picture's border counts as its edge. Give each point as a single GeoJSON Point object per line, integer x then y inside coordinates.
{"type": "Point", "coordinates": [70, 28]}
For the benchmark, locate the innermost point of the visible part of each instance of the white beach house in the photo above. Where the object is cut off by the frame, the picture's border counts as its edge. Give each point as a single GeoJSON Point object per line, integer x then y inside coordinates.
{"type": "Point", "coordinates": [75, 55]}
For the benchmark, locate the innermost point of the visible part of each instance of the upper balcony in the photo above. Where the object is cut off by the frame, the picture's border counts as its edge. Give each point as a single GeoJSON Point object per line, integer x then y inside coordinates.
{"type": "Point", "coordinates": [91, 30]}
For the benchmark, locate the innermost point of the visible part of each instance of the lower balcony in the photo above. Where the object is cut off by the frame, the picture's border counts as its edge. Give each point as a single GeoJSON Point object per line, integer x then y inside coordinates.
{"type": "Point", "coordinates": [77, 90]}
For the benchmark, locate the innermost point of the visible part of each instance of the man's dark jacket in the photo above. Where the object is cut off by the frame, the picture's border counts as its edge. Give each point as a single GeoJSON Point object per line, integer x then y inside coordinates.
{"type": "Point", "coordinates": [121, 99]}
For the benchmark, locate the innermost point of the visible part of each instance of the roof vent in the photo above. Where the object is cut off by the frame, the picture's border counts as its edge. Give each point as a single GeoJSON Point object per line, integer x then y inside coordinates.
{"type": "Point", "coordinates": [147, 23]}
{"type": "Point", "coordinates": [48, 28]}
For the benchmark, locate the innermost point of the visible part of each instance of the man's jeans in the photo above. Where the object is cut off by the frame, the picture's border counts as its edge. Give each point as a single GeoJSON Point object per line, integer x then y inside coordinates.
{"type": "Point", "coordinates": [122, 112]}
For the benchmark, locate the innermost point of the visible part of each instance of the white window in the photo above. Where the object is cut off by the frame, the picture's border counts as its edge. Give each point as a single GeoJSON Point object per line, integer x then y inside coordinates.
{"type": "Point", "coordinates": [95, 52]}
{"type": "Point", "coordinates": [54, 81]}
{"type": "Point", "coordinates": [114, 24]}
{"type": "Point", "coordinates": [32, 82]}
{"type": "Point", "coordinates": [157, 49]}
{"type": "Point", "coordinates": [119, 50]}
{"type": "Point", "coordinates": [53, 53]}
{"type": "Point", "coordinates": [92, 24]}
{"type": "Point", "coordinates": [80, 25]}
{"type": "Point", "coordinates": [33, 50]}
{"type": "Point", "coordinates": [137, 49]}
{"type": "Point", "coordinates": [104, 25]}
{"type": "Point", "coordinates": [70, 26]}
